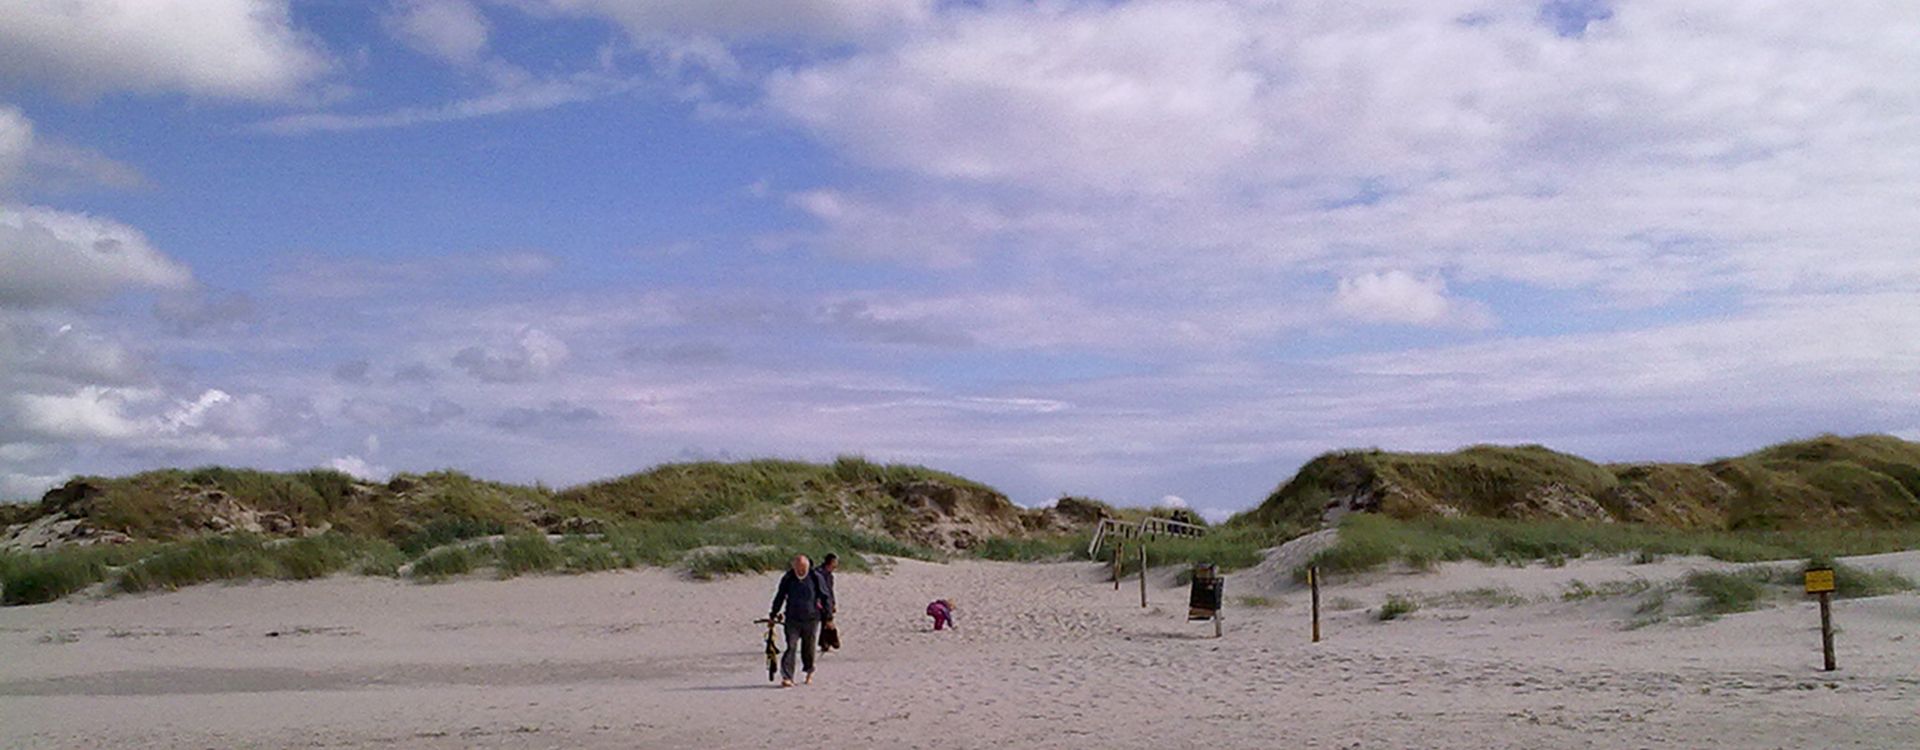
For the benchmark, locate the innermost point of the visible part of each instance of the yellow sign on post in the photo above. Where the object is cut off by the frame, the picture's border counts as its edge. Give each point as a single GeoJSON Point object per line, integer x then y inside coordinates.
{"type": "Point", "coordinates": [1820, 581]}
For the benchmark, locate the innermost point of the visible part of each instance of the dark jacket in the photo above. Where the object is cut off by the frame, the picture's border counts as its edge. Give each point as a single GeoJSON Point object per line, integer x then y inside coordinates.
{"type": "Point", "coordinates": [806, 598]}
{"type": "Point", "coordinates": [826, 586]}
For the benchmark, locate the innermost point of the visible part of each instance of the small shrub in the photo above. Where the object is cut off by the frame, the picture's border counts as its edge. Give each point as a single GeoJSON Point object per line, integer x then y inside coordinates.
{"type": "Point", "coordinates": [381, 560]}
{"type": "Point", "coordinates": [582, 556]}
{"type": "Point", "coordinates": [446, 562]}
{"type": "Point", "coordinates": [711, 564]}
{"type": "Point", "coordinates": [1727, 593]}
{"type": "Point", "coordinates": [326, 554]}
{"type": "Point", "coordinates": [1030, 549]}
{"type": "Point", "coordinates": [1646, 557]}
{"type": "Point", "coordinates": [527, 553]}
{"type": "Point", "coordinates": [1579, 590]}
{"type": "Point", "coordinates": [1396, 607]}
{"type": "Point", "coordinates": [44, 578]}
{"type": "Point", "coordinates": [220, 558]}
{"type": "Point", "coordinates": [1344, 604]}
{"type": "Point", "coordinates": [1479, 598]}
{"type": "Point", "coordinates": [1851, 582]}
{"type": "Point", "coordinates": [444, 531]}
{"type": "Point", "coordinates": [1256, 601]}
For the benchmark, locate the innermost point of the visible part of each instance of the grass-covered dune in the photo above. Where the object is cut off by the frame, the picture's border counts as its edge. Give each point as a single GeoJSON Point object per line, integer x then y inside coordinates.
{"type": "Point", "coordinates": [170, 528]}
{"type": "Point", "coordinates": [1826, 482]}
{"type": "Point", "coordinates": [910, 503]}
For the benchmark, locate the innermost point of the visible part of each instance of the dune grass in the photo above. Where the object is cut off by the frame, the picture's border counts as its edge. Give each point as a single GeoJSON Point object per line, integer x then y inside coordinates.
{"type": "Point", "coordinates": [1396, 607]}
{"type": "Point", "coordinates": [1371, 541]}
{"type": "Point", "coordinates": [447, 562]}
{"type": "Point", "coordinates": [1034, 549]}
{"type": "Point", "coordinates": [1728, 592]}
{"type": "Point", "coordinates": [527, 553]}
{"type": "Point", "coordinates": [717, 563]}
{"type": "Point", "coordinates": [1230, 548]}
{"type": "Point", "coordinates": [1868, 481]}
{"type": "Point", "coordinates": [36, 578]}
{"type": "Point", "coordinates": [709, 490]}
{"type": "Point", "coordinates": [240, 557]}
{"type": "Point", "coordinates": [1853, 582]}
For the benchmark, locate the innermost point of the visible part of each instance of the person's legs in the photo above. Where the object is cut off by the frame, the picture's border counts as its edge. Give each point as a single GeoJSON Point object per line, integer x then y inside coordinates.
{"type": "Point", "coordinates": [795, 633]}
{"type": "Point", "coordinates": [809, 638]}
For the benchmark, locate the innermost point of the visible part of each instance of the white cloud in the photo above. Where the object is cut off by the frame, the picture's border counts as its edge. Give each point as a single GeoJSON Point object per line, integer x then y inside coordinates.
{"type": "Point", "coordinates": [16, 486]}
{"type": "Point", "coordinates": [52, 258]}
{"type": "Point", "coordinates": [524, 96]}
{"type": "Point", "coordinates": [360, 468]}
{"type": "Point", "coordinates": [66, 354]}
{"type": "Point", "coordinates": [1173, 501]}
{"type": "Point", "coordinates": [147, 418]}
{"type": "Point", "coordinates": [533, 354]}
{"type": "Point", "coordinates": [1136, 96]}
{"type": "Point", "coordinates": [1665, 152]}
{"type": "Point", "coordinates": [16, 137]}
{"type": "Point", "coordinates": [27, 159]}
{"type": "Point", "coordinates": [452, 30]}
{"type": "Point", "coordinates": [1401, 297]}
{"type": "Point", "coordinates": [242, 49]}
{"type": "Point", "coordinates": [824, 19]}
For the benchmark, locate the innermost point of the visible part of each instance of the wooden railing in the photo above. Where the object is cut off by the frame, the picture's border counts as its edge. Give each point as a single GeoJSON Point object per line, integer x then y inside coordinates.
{"type": "Point", "coordinates": [1152, 527]}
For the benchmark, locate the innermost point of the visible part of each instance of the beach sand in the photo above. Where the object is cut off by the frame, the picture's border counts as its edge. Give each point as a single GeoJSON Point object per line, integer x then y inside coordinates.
{"type": "Point", "coordinates": [1045, 655]}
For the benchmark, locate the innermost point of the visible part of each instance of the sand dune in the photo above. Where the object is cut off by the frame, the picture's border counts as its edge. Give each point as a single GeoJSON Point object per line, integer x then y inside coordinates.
{"type": "Point", "coordinates": [1045, 655]}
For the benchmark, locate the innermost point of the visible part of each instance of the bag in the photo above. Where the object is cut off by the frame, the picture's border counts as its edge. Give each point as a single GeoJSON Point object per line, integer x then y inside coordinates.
{"type": "Point", "coordinates": [829, 635]}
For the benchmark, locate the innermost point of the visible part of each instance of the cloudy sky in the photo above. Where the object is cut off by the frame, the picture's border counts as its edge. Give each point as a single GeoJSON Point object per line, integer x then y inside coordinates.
{"type": "Point", "coordinates": [1128, 249]}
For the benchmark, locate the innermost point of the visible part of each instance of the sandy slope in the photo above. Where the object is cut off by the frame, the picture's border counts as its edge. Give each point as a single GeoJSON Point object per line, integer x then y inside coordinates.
{"type": "Point", "coordinates": [1046, 655]}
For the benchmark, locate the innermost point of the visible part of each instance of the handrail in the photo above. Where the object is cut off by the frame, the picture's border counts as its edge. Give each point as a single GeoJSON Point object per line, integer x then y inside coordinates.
{"type": "Point", "coordinates": [1152, 526]}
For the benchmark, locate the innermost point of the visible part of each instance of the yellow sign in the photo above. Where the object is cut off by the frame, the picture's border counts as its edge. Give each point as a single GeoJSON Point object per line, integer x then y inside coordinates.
{"type": "Point", "coordinates": [1819, 581]}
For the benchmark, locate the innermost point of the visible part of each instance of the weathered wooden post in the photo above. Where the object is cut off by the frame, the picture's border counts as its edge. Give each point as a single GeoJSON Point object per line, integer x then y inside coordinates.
{"type": "Point", "coordinates": [1118, 546]}
{"type": "Point", "coordinates": [1143, 574]}
{"type": "Point", "coordinates": [1820, 582]}
{"type": "Point", "coordinates": [1313, 582]}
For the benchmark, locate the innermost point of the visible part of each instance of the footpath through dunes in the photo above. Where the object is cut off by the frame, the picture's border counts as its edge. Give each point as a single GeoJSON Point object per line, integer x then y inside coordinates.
{"type": "Point", "coordinates": [1044, 655]}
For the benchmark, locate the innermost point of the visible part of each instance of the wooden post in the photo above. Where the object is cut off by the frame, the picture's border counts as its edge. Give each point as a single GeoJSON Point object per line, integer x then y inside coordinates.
{"type": "Point", "coordinates": [1143, 574]}
{"type": "Point", "coordinates": [1118, 546]}
{"type": "Point", "coordinates": [1216, 622]}
{"type": "Point", "coordinates": [1313, 581]}
{"type": "Point", "coordinates": [1826, 628]}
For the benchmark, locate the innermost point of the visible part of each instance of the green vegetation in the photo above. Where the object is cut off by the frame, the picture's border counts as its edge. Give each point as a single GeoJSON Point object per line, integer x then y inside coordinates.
{"type": "Point", "coordinates": [1862, 482]}
{"type": "Point", "coordinates": [446, 562]}
{"type": "Point", "coordinates": [433, 520]}
{"type": "Point", "coordinates": [245, 556]}
{"type": "Point", "coordinates": [1032, 549]}
{"type": "Point", "coordinates": [39, 578]}
{"type": "Point", "coordinates": [1579, 591]}
{"type": "Point", "coordinates": [527, 553]}
{"type": "Point", "coordinates": [1850, 582]}
{"type": "Point", "coordinates": [710, 564]}
{"type": "Point", "coordinates": [1396, 607]}
{"type": "Point", "coordinates": [1485, 597]}
{"type": "Point", "coordinates": [1370, 541]}
{"type": "Point", "coordinates": [1231, 548]}
{"type": "Point", "coordinates": [1724, 593]}
{"type": "Point", "coordinates": [711, 490]}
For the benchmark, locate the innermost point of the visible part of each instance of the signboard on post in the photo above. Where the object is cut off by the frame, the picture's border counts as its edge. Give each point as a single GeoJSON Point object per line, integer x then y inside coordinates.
{"type": "Point", "coordinates": [1820, 583]}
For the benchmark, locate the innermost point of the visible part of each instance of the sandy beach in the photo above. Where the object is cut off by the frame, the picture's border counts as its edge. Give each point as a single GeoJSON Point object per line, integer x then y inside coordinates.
{"type": "Point", "coordinates": [1045, 655]}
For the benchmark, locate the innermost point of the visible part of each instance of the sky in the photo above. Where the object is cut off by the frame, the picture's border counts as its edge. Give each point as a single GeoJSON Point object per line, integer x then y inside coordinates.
{"type": "Point", "coordinates": [1152, 251]}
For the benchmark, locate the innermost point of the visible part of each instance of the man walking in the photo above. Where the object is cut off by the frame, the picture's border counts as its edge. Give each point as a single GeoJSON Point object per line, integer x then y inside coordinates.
{"type": "Point", "coordinates": [807, 599]}
{"type": "Point", "coordinates": [829, 632]}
